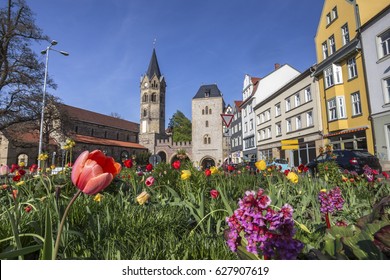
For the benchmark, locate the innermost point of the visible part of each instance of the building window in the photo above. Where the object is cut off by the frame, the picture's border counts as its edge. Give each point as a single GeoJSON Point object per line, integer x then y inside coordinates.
{"type": "Point", "coordinates": [145, 98]}
{"type": "Point", "coordinates": [262, 134]}
{"type": "Point", "coordinates": [332, 45]}
{"type": "Point", "coordinates": [386, 85]}
{"type": "Point", "coordinates": [246, 127]}
{"type": "Point", "coordinates": [332, 110]}
{"type": "Point", "coordinates": [288, 125]}
{"type": "Point", "coordinates": [328, 19]}
{"type": "Point", "coordinates": [206, 139]}
{"type": "Point", "coordinates": [325, 50]}
{"type": "Point", "coordinates": [210, 111]}
{"type": "Point", "coordinates": [356, 106]}
{"type": "Point", "coordinates": [207, 124]}
{"type": "Point", "coordinates": [251, 124]}
{"type": "Point", "coordinates": [206, 110]}
{"type": "Point", "coordinates": [202, 111]}
{"type": "Point", "coordinates": [334, 13]}
{"type": "Point", "coordinates": [384, 43]}
{"type": "Point", "coordinates": [277, 110]}
{"type": "Point", "coordinates": [145, 112]}
{"type": "Point", "coordinates": [336, 108]}
{"type": "Point", "coordinates": [92, 131]}
{"type": "Point", "coordinates": [76, 129]}
{"type": "Point", "coordinates": [269, 133]}
{"type": "Point", "coordinates": [307, 94]}
{"type": "Point", "coordinates": [352, 69]}
{"type": "Point", "coordinates": [288, 104]}
{"type": "Point", "coordinates": [297, 100]}
{"type": "Point", "coordinates": [309, 119]}
{"type": "Point", "coordinates": [154, 97]}
{"type": "Point", "coordinates": [345, 34]}
{"type": "Point", "coordinates": [333, 75]}
{"type": "Point", "coordinates": [278, 129]}
{"type": "Point", "coordinates": [298, 123]}
{"type": "Point", "coordinates": [268, 115]}
{"type": "Point", "coordinates": [328, 77]}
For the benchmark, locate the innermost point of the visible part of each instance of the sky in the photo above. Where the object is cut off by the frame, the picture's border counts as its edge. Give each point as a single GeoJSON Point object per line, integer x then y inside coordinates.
{"type": "Point", "coordinates": [197, 42]}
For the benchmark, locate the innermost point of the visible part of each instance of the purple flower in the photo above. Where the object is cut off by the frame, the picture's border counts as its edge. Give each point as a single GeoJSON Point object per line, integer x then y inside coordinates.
{"type": "Point", "coordinates": [266, 230]}
{"type": "Point", "coordinates": [331, 201]}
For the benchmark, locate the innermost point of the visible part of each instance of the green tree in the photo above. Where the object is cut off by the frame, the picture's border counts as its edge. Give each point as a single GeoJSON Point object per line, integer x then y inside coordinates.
{"type": "Point", "coordinates": [21, 74]}
{"type": "Point", "coordinates": [181, 127]}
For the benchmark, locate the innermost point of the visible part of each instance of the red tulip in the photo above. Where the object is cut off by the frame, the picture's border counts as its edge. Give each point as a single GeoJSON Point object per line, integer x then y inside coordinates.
{"type": "Point", "coordinates": [176, 164]}
{"type": "Point", "coordinates": [33, 168]}
{"type": "Point", "coordinates": [207, 172]}
{"type": "Point", "coordinates": [149, 167]}
{"type": "Point", "coordinates": [230, 168]}
{"type": "Point", "coordinates": [92, 172]}
{"type": "Point", "coordinates": [128, 163]}
{"type": "Point", "coordinates": [387, 176]}
{"type": "Point", "coordinates": [214, 194]}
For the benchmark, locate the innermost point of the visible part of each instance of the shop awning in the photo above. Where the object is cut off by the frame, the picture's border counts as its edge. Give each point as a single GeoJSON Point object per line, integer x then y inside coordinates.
{"type": "Point", "coordinates": [346, 131]}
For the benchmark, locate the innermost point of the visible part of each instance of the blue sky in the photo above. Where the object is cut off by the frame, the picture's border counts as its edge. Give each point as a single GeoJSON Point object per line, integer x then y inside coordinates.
{"type": "Point", "coordinates": [198, 42]}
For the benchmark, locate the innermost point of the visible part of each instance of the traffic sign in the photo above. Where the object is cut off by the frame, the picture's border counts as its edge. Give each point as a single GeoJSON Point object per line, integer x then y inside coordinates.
{"type": "Point", "coordinates": [227, 119]}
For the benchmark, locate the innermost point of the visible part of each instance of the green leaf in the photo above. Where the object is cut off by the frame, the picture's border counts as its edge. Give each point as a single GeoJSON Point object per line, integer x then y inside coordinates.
{"type": "Point", "coordinates": [20, 252]}
{"type": "Point", "coordinates": [48, 244]}
{"type": "Point", "coordinates": [15, 231]}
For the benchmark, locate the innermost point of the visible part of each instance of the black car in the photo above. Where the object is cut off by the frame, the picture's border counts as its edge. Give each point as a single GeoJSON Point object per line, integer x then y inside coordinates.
{"type": "Point", "coordinates": [351, 160]}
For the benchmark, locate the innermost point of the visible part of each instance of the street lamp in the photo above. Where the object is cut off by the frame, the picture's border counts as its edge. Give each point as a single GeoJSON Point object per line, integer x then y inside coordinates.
{"type": "Point", "coordinates": [46, 51]}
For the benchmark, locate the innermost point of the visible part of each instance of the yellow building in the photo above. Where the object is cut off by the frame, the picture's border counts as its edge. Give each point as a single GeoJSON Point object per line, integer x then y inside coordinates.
{"type": "Point", "coordinates": [340, 73]}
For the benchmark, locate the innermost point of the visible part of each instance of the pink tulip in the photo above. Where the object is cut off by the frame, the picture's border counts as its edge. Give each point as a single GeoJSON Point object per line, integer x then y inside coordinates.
{"type": "Point", "coordinates": [92, 172]}
{"type": "Point", "coordinates": [149, 181]}
{"type": "Point", "coordinates": [4, 170]}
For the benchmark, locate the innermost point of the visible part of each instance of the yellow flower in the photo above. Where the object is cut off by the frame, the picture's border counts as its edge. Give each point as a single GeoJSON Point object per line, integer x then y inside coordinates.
{"type": "Point", "coordinates": [52, 166]}
{"type": "Point", "coordinates": [70, 143]}
{"type": "Point", "coordinates": [143, 197]}
{"type": "Point", "coordinates": [261, 165]}
{"type": "Point", "coordinates": [43, 157]}
{"type": "Point", "coordinates": [214, 170]}
{"type": "Point", "coordinates": [22, 164]}
{"type": "Point", "coordinates": [293, 177]}
{"type": "Point", "coordinates": [48, 170]}
{"type": "Point", "coordinates": [20, 183]}
{"type": "Point", "coordinates": [65, 147]}
{"type": "Point", "coordinates": [98, 197]}
{"type": "Point", "coordinates": [185, 174]}
{"type": "Point", "coordinates": [323, 190]}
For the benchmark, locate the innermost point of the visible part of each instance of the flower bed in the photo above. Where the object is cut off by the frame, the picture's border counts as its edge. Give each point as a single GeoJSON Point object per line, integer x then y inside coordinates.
{"type": "Point", "coordinates": [91, 211]}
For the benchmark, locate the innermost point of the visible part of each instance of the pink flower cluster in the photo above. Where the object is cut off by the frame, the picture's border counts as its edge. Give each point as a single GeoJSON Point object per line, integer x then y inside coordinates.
{"type": "Point", "coordinates": [266, 230]}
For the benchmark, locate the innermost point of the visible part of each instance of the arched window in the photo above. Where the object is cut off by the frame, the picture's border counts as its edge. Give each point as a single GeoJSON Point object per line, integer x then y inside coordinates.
{"type": "Point", "coordinates": [207, 123]}
{"type": "Point", "coordinates": [206, 139]}
{"type": "Point", "coordinates": [207, 110]}
{"type": "Point", "coordinates": [154, 97]}
{"type": "Point", "coordinates": [210, 111]}
{"type": "Point", "coordinates": [145, 98]}
{"type": "Point", "coordinates": [145, 112]}
{"type": "Point", "coordinates": [23, 158]}
{"type": "Point", "coordinates": [202, 111]}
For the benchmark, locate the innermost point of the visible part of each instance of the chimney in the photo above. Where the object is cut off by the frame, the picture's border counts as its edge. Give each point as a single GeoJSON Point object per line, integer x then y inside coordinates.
{"type": "Point", "coordinates": [277, 66]}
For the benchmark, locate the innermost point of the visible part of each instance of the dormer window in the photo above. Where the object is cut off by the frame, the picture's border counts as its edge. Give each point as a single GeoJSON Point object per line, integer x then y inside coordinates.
{"type": "Point", "coordinates": [207, 93]}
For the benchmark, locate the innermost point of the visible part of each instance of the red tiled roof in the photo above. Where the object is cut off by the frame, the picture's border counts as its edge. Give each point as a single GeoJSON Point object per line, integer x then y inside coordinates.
{"type": "Point", "coordinates": [106, 142]}
{"type": "Point", "coordinates": [97, 118]}
{"type": "Point", "coordinates": [238, 103]}
{"type": "Point", "coordinates": [24, 133]}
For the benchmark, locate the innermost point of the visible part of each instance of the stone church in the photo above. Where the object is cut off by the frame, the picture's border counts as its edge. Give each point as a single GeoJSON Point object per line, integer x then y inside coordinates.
{"type": "Point", "coordinates": [209, 146]}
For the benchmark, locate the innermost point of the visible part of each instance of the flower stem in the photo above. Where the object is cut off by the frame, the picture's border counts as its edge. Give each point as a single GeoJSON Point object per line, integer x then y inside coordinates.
{"type": "Point", "coordinates": [58, 239]}
{"type": "Point", "coordinates": [327, 220]}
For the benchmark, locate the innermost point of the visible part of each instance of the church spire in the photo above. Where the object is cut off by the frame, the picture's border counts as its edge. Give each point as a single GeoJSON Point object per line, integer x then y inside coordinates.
{"type": "Point", "coordinates": [153, 68]}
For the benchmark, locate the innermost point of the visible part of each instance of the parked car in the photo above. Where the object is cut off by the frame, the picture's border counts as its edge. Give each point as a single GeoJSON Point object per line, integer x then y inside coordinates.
{"type": "Point", "coordinates": [279, 162]}
{"type": "Point", "coordinates": [351, 160]}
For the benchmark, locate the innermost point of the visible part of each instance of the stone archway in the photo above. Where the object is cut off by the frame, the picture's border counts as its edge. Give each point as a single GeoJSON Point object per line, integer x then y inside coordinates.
{"type": "Point", "coordinates": [207, 162]}
{"type": "Point", "coordinates": [163, 156]}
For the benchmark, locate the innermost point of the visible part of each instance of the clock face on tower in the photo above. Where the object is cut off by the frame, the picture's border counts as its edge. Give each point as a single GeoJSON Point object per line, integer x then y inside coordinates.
{"type": "Point", "coordinates": [146, 85]}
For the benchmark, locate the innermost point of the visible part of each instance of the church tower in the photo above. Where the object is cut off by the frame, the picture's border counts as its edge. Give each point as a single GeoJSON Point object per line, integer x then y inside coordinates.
{"type": "Point", "coordinates": [152, 118]}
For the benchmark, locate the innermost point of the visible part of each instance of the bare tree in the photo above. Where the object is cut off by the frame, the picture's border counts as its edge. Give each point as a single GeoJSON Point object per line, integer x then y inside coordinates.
{"type": "Point", "coordinates": [21, 75]}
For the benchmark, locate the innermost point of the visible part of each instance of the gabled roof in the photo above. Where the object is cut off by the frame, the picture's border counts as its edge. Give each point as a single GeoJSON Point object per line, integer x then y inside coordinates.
{"type": "Point", "coordinates": [106, 142]}
{"type": "Point", "coordinates": [153, 68]}
{"type": "Point", "coordinates": [97, 118]}
{"type": "Point", "coordinates": [208, 91]}
{"type": "Point", "coordinates": [237, 103]}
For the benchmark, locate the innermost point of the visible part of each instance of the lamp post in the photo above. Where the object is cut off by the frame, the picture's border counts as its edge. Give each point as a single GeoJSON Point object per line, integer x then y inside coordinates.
{"type": "Point", "coordinates": [45, 51]}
